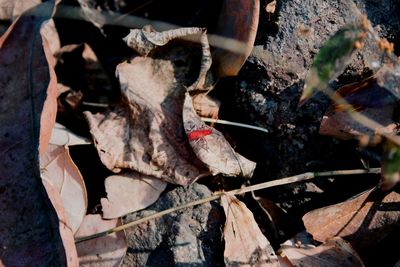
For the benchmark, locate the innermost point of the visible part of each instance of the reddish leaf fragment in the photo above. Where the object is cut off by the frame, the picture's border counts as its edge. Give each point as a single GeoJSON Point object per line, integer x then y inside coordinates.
{"type": "Point", "coordinates": [363, 220]}
{"type": "Point", "coordinates": [334, 252]}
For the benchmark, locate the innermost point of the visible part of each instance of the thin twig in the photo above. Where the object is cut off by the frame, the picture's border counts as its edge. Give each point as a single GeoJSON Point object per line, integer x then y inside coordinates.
{"type": "Point", "coordinates": [234, 124]}
{"type": "Point", "coordinates": [283, 181]}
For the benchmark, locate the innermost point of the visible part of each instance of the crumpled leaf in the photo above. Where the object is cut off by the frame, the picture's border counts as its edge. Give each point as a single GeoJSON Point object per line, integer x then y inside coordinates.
{"type": "Point", "coordinates": [11, 9]}
{"type": "Point", "coordinates": [104, 251]}
{"type": "Point", "coordinates": [91, 13]}
{"type": "Point", "coordinates": [50, 33]}
{"type": "Point", "coordinates": [145, 132]}
{"type": "Point", "coordinates": [271, 6]}
{"type": "Point", "coordinates": [29, 227]}
{"type": "Point", "coordinates": [206, 106]}
{"type": "Point", "coordinates": [363, 220]}
{"type": "Point", "coordinates": [146, 40]}
{"type": "Point", "coordinates": [333, 57]}
{"type": "Point", "coordinates": [61, 136]}
{"type": "Point", "coordinates": [129, 192]}
{"type": "Point", "coordinates": [367, 98]}
{"type": "Point", "coordinates": [245, 244]}
{"type": "Point", "coordinates": [211, 147]}
{"type": "Point", "coordinates": [238, 20]}
{"type": "Point", "coordinates": [65, 228]}
{"type": "Point", "coordinates": [59, 169]}
{"type": "Point", "coordinates": [334, 252]}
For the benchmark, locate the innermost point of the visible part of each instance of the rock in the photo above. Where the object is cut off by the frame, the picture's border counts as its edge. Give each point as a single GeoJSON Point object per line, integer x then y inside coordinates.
{"type": "Point", "coordinates": [189, 237]}
{"type": "Point", "coordinates": [269, 86]}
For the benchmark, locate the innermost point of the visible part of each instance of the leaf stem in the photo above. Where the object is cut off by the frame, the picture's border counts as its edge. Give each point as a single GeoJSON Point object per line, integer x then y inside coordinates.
{"type": "Point", "coordinates": [215, 196]}
{"type": "Point", "coordinates": [234, 124]}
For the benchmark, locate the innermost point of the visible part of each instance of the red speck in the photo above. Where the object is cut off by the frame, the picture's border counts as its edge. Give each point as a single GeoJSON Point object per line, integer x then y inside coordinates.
{"type": "Point", "coordinates": [199, 134]}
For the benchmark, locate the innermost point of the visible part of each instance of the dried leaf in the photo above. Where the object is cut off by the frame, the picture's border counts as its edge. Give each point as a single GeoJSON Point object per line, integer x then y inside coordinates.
{"type": "Point", "coordinates": [145, 132]}
{"type": "Point", "coordinates": [65, 228]}
{"type": "Point", "coordinates": [147, 39]}
{"type": "Point", "coordinates": [363, 220]}
{"type": "Point", "coordinates": [367, 98]}
{"type": "Point", "coordinates": [29, 227]}
{"type": "Point", "coordinates": [129, 192]}
{"type": "Point", "coordinates": [334, 252]}
{"type": "Point", "coordinates": [245, 245]}
{"type": "Point", "coordinates": [58, 168]}
{"type": "Point", "coordinates": [238, 20]}
{"type": "Point", "coordinates": [211, 147]}
{"type": "Point", "coordinates": [206, 106]}
{"type": "Point", "coordinates": [61, 136]}
{"type": "Point", "coordinates": [270, 8]}
{"type": "Point", "coordinates": [49, 32]}
{"type": "Point", "coordinates": [104, 251]}
{"type": "Point", "coordinates": [11, 9]}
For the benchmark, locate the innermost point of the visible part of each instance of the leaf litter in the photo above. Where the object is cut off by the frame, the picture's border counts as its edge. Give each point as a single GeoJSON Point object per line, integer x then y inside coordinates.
{"type": "Point", "coordinates": [146, 132]}
{"type": "Point", "coordinates": [169, 117]}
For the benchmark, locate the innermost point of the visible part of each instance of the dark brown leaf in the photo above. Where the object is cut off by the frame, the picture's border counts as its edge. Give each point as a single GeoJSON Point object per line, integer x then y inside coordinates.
{"type": "Point", "coordinates": [363, 220]}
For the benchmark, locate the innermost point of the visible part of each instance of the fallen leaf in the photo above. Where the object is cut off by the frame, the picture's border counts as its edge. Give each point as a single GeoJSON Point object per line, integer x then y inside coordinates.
{"type": "Point", "coordinates": [129, 192]}
{"type": "Point", "coordinates": [61, 136]}
{"type": "Point", "coordinates": [49, 32]}
{"type": "Point", "coordinates": [211, 147]}
{"type": "Point", "coordinates": [58, 168]}
{"type": "Point", "coordinates": [334, 252]}
{"type": "Point", "coordinates": [105, 251]}
{"type": "Point", "coordinates": [363, 220]}
{"type": "Point", "coordinates": [65, 228]}
{"type": "Point", "coordinates": [206, 106]}
{"type": "Point", "coordinates": [145, 132]}
{"type": "Point", "coordinates": [238, 20]}
{"type": "Point", "coordinates": [367, 98]}
{"type": "Point", "coordinates": [146, 40]}
{"type": "Point", "coordinates": [245, 245]}
{"type": "Point", "coordinates": [270, 8]}
{"type": "Point", "coordinates": [29, 227]}
{"type": "Point", "coordinates": [11, 9]}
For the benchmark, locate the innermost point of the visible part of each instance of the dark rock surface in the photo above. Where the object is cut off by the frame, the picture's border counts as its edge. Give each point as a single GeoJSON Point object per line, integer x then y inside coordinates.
{"type": "Point", "coordinates": [268, 88]}
{"type": "Point", "coordinates": [189, 237]}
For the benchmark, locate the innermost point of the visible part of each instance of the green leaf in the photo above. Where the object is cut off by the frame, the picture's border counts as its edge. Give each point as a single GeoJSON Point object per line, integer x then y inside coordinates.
{"type": "Point", "coordinates": [332, 59]}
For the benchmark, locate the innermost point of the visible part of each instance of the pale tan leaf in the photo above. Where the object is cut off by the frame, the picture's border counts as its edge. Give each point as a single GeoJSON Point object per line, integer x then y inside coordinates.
{"type": "Point", "coordinates": [211, 147]}
{"type": "Point", "coordinates": [11, 9]}
{"type": "Point", "coordinates": [334, 252]}
{"type": "Point", "coordinates": [61, 136]}
{"type": "Point", "coordinates": [270, 8]}
{"type": "Point", "coordinates": [363, 220]}
{"type": "Point", "coordinates": [245, 244]}
{"type": "Point", "coordinates": [65, 229]}
{"type": "Point", "coordinates": [107, 251]}
{"type": "Point", "coordinates": [129, 192]}
{"type": "Point", "coordinates": [206, 106]}
{"type": "Point", "coordinates": [58, 167]}
{"type": "Point", "coordinates": [49, 32]}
